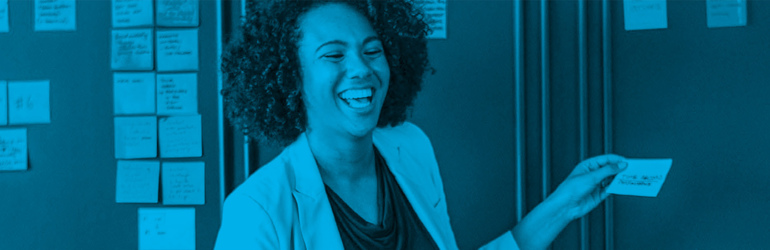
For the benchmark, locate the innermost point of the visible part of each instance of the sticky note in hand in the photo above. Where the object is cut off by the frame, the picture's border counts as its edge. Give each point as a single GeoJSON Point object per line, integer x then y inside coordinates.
{"type": "Point", "coordinates": [643, 177]}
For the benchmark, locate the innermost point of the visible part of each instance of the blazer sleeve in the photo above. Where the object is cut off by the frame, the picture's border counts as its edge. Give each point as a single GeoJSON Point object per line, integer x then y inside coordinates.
{"type": "Point", "coordinates": [245, 225]}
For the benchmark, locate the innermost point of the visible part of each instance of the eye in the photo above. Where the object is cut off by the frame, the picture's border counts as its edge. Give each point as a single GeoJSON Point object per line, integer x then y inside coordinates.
{"type": "Point", "coordinates": [333, 57]}
{"type": "Point", "coordinates": [373, 52]}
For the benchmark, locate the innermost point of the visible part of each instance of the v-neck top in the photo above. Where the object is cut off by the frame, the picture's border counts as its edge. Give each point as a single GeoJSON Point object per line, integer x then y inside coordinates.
{"type": "Point", "coordinates": [398, 226]}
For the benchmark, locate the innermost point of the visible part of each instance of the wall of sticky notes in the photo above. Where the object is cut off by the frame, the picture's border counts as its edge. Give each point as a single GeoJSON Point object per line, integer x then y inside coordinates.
{"type": "Point", "coordinates": [108, 124]}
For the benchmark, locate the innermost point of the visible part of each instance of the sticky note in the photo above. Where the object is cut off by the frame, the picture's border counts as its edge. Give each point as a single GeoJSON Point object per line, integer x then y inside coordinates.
{"type": "Point", "coordinates": [3, 103]}
{"type": "Point", "coordinates": [131, 13]}
{"type": "Point", "coordinates": [725, 13]}
{"type": "Point", "coordinates": [183, 183]}
{"type": "Point", "coordinates": [166, 228]}
{"type": "Point", "coordinates": [13, 149]}
{"type": "Point", "coordinates": [132, 49]}
{"type": "Point", "coordinates": [177, 94]}
{"type": "Point", "coordinates": [435, 16]}
{"type": "Point", "coordinates": [53, 15]}
{"type": "Point", "coordinates": [137, 182]}
{"type": "Point", "coordinates": [177, 13]}
{"type": "Point", "coordinates": [134, 93]}
{"type": "Point", "coordinates": [4, 26]}
{"type": "Point", "coordinates": [180, 136]}
{"type": "Point", "coordinates": [28, 102]}
{"type": "Point", "coordinates": [136, 137]}
{"type": "Point", "coordinates": [177, 50]}
{"type": "Point", "coordinates": [643, 177]}
{"type": "Point", "coordinates": [645, 14]}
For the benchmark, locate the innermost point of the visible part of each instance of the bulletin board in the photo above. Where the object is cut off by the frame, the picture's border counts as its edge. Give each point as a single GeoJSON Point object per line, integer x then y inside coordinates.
{"type": "Point", "coordinates": [66, 197]}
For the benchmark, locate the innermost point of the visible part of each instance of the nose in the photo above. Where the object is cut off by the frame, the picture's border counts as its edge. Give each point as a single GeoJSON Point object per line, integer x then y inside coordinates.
{"type": "Point", "coordinates": [359, 67]}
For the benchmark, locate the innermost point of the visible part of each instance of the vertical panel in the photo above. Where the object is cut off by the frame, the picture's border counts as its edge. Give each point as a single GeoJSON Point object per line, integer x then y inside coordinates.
{"type": "Point", "coordinates": [607, 88]}
{"type": "Point", "coordinates": [583, 108]}
{"type": "Point", "coordinates": [544, 101]}
{"type": "Point", "coordinates": [520, 185]}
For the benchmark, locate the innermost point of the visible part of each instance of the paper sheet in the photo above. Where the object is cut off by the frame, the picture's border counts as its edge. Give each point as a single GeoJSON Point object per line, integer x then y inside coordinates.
{"type": "Point", "coordinates": [13, 149]}
{"type": "Point", "coordinates": [134, 93]}
{"type": "Point", "coordinates": [4, 25]}
{"type": "Point", "coordinates": [131, 13]}
{"type": "Point", "coordinates": [643, 177]}
{"type": "Point", "coordinates": [166, 228]}
{"type": "Point", "coordinates": [177, 13]}
{"type": "Point", "coordinates": [645, 14]}
{"type": "Point", "coordinates": [435, 10]}
{"type": "Point", "coordinates": [180, 136]}
{"type": "Point", "coordinates": [136, 137]}
{"type": "Point", "coordinates": [28, 102]}
{"type": "Point", "coordinates": [132, 49]}
{"type": "Point", "coordinates": [52, 15]}
{"type": "Point", "coordinates": [184, 183]}
{"type": "Point", "coordinates": [177, 94]}
{"type": "Point", "coordinates": [725, 13]}
{"type": "Point", "coordinates": [177, 50]}
{"type": "Point", "coordinates": [3, 103]}
{"type": "Point", "coordinates": [137, 182]}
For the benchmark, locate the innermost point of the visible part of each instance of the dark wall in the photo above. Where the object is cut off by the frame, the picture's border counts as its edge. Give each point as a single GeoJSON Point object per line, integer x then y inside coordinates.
{"type": "Point", "coordinates": [66, 199]}
{"type": "Point", "coordinates": [699, 96]}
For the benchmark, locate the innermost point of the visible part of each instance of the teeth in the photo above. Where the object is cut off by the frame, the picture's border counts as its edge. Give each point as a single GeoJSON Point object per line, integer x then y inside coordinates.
{"type": "Point", "coordinates": [359, 103]}
{"type": "Point", "coordinates": [356, 93]}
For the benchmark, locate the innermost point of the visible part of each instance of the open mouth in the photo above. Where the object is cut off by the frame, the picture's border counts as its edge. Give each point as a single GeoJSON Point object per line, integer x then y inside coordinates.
{"type": "Point", "coordinates": [357, 98]}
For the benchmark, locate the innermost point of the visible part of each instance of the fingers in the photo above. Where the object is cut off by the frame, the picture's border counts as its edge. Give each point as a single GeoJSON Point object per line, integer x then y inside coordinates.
{"type": "Point", "coordinates": [609, 170]}
{"type": "Point", "coordinates": [609, 159]}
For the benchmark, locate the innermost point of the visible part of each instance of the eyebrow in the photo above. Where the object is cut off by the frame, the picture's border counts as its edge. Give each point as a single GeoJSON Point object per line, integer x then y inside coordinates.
{"type": "Point", "coordinates": [340, 42]}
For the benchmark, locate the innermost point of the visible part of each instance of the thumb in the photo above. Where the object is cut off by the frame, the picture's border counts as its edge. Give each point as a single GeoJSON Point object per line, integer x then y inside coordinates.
{"type": "Point", "coordinates": [607, 171]}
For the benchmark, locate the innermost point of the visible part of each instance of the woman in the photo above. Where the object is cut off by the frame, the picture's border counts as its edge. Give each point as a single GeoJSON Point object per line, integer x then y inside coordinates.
{"type": "Point", "coordinates": [332, 82]}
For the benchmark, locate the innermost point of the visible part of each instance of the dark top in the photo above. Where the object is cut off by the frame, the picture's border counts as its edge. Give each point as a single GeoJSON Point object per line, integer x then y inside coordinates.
{"type": "Point", "coordinates": [398, 228]}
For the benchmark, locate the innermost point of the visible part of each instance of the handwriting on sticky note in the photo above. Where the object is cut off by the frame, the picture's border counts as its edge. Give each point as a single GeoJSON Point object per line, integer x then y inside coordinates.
{"type": "Point", "coordinates": [180, 136]}
{"type": "Point", "coordinates": [53, 15]}
{"type": "Point", "coordinates": [134, 93]}
{"type": "Point", "coordinates": [137, 182]}
{"type": "Point", "coordinates": [177, 13]}
{"type": "Point", "coordinates": [183, 183]}
{"type": "Point", "coordinates": [132, 49]}
{"type": "Point", "coordinates": [28, 102]}
{"type": "Point", "coordinates": [435, 16]}
{"type": "Point", "coordinates": [725, 13]}
{"type": "Point", "coordinates": [130, 13]}
{"type": "Point", "coordinates": [13, 149]}
{"type": "Point", "coordinates": [177, 94]}
{"type": "Point", "coordinates": [166, 228]}
{"type": "Point", "coordinates": [177, 50]}
{"type": "Point", "coordinates": [643, 177]}
{"type": "Point", "coordinates": [136, 137]}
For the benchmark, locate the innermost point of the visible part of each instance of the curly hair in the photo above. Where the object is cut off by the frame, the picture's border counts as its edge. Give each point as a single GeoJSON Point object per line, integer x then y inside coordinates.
{"type": "Point", "coordinates": [262, 78]}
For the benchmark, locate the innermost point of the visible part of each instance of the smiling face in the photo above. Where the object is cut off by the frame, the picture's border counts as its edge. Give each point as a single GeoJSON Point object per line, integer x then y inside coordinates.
{"type": "Point", "coordinates": [345, 74]}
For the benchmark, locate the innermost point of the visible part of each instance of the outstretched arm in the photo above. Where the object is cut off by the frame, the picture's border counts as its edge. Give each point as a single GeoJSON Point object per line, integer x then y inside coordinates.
{"type": "Point", "coordinates": [580, 193]}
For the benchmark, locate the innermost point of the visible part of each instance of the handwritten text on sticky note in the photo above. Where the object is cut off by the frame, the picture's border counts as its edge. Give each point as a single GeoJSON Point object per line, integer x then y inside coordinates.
{"type": "Point", "coordinates": [643, 177]}
{"type": "Point", "coordinates": [13, 149]}
{"type": "Point", "coordinates": [53, 15]}
{"type": "Point", "coordinates": [131, 13]}
{"type": "Point", "coordinates": [137, 182]}
{"type": "Point", "coordinates": [166, 228]}
{"type": "Point", "coordinates": [180, 136]}
{"type": "Point", "coordinates": [183, 183]}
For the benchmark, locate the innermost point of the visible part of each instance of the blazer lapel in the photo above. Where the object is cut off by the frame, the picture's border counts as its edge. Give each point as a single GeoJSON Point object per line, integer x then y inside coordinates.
{"type": "Point", "coordinates": [420, 193]}
{"type": "Point", "coordinates": [316, 219]}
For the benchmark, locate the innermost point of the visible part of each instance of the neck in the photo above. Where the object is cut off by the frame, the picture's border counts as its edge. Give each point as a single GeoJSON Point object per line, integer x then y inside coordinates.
{"type": "Point", "coordinates": [342, 157]}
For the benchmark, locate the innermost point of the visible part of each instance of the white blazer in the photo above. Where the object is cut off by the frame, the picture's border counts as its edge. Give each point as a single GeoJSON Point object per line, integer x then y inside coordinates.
{"type": "Point", "coordinates": [284, 205]}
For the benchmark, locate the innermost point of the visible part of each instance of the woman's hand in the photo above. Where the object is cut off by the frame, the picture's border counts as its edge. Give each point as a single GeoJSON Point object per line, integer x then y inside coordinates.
{"type": "Point", "coordinates": [581, 192]}
{"type": "Point", "coordinates": [585, 187]}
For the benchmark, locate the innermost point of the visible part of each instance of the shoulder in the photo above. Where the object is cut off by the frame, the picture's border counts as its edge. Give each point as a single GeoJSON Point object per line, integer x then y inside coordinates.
{"type": "Point", "coordinates": [406, 135]}
{"type": "Point", "coordinates": [268, 183]}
